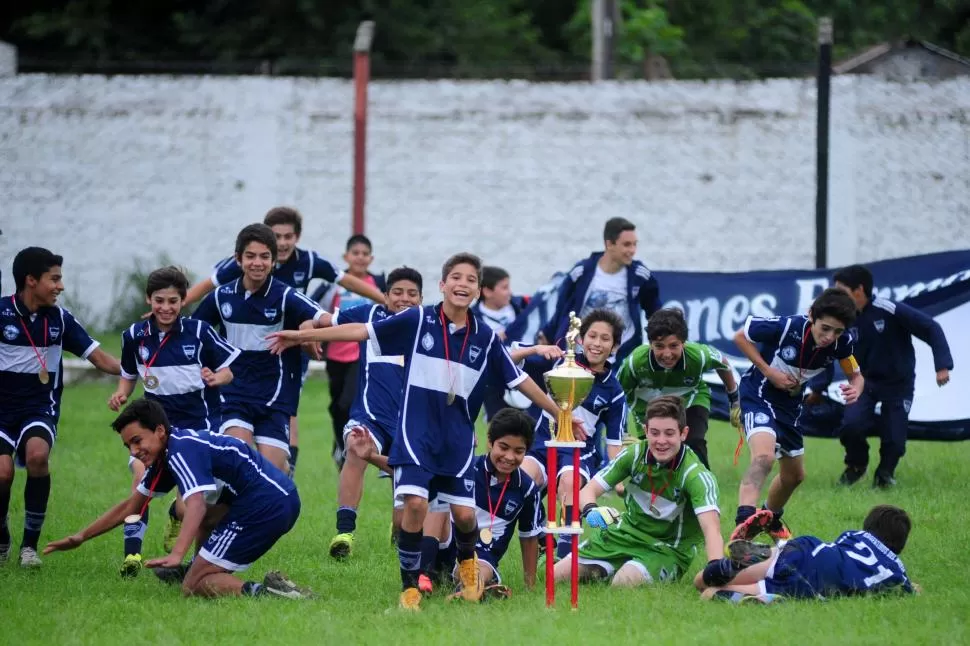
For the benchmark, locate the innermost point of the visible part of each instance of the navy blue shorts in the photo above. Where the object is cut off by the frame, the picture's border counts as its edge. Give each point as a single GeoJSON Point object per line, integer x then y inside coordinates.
{"type": "Point", "coordinates": [268, 425]}
{"type": "Point", "coordinates": [15, 430]}
{"type": "Point", "coordinates": [760, 416]}
{"type": "Point", "coordinates": [588, 461]}
{"type": "Point", "coordinates": [383, 437]}
{"type": "Point", "coordinates": [241, 538]}
{"type": "Point", "coordinates": [412, 480]}
{"type": "Point", "coordinates": [797, 573]}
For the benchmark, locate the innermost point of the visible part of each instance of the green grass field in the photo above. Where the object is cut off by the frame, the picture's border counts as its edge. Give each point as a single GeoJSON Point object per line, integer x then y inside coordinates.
{"type": "Point", "coordinates": [78, 597]}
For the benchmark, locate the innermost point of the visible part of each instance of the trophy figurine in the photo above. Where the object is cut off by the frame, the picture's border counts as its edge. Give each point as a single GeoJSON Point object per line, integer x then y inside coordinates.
{"type": "Point", "coordinates": [568, 384]}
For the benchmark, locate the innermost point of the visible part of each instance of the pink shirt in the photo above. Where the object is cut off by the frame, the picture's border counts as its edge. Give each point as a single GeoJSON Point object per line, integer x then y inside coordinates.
{"type": "Point", "coordinates": [347, 351]}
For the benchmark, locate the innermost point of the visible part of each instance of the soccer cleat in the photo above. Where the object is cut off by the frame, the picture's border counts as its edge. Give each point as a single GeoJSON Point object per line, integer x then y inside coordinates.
{"type": "Point", "coordinates": [779, 532]}
{"type": "Point", "coordinates": [29, 558]}
{"type": "Point", "coordinates": [497, 591]}
{"type": "Point", "coordinates": [470, 579]}
{"type": "Point", "coordinates": [410, 599]}
{"type": "Point", "coordinates": [4, 552]}
{"type": "Point", "coordinates": [425, 586]}
{"type": "Point", "coordinates": [850, 476]}
{"type": "Point", "coordinates": [755, 524]}
{"type": "Point", "coordinates": [277, 583]}
{"type": "Point", "coordinates": [172, 528]}
{"type": "Point", "coordinates": [341, 545]}
{"type": "Point", "coordinates": [883, 480]}
{"type": "Point", "coordinates": [131, 566]}
{"type": "Point", "coordinates": [761, 599]}
{"type": "Point", "coordinates": [744, 554]}
{"type": "Point", "coordinates": [171, 575]}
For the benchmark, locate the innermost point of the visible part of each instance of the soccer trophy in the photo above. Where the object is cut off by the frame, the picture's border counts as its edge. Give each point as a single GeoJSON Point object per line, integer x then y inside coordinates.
{"type": "Point", "coordinates": [568, 384]}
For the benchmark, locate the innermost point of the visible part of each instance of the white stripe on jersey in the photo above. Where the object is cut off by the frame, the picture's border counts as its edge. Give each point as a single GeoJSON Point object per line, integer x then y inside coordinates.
{"type": "Point", "coordinates": [175, 380]}
{"type": "Point", "coordinates": [249, 337]}
{"type": "Point", "coordinates": [436, 374]}
{"type": "Point", "coordinates": [183, 473]}
{"type": "Point", "coordinates": [498, 525]}
{"type": "Point", "coordinates": [213, 337]}
{"type": "Point", "coordinates": [23, 359]}
{"type": "Point", "coordinates": [884, 304]}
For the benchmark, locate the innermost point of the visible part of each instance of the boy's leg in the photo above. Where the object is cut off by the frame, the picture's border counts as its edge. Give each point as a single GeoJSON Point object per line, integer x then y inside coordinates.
{"type": "Point", "coordinates": [6, 482]}
{"type": "Point", "coordinates": [587, 571]}
{"type": "Point", "coordinates": [271, 433]}
{"type": "Point", "coordinates": [134, 532]}
{"type": "Point", "coordinates": [564, 542]}
{"type": "Point", "coordinates": [631, 574]}
{"type": "Point", "coordinates": [791, 474]}
{"type": "Point", "coordinates": [697, 423]}
{"type": "Point", "coordinates": [34, 446]}
{"type": "Point", "coordinates": [857, 419]}
{"type": "Point", "coordinates": [336, 383]}
{"type": "Point", "coordinates": [761, 435]}
{"type": "Point", "coordinates": [895, 428]}
{"type": "Point", "coordinates": [466, 538]}
{"type": "Point", "coordinates": [412, 485]}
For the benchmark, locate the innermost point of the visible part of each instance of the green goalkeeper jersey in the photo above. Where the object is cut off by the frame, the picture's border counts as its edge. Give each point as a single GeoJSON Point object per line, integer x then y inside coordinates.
{"type": "Point", "coordinates": [643, 379]}
{"type": "Point", "coordinates": [662, 501]}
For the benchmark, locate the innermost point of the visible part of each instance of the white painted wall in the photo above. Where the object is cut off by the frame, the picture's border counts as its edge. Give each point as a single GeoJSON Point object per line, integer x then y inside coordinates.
{"type": "Point", "coordinates": [718, 176]}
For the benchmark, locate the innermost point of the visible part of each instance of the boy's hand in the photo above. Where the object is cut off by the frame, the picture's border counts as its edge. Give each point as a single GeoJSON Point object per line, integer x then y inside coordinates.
{"type": "Point", "coordinates": [549, 352]}
{"type": "Point", "coordinates": [172, 560]}
{"type": "Point", "coordinates": [117, 400]}
{"type": "Point", "coordinates": [283, 340]}
{"type": "Point", "coordinates": [781, 380]}
{"type": "Point", "coordinates": [360, 443]}
{"type": "Point", "coordinates": [64, 544]}
{"type": "Point", "coordinates": [850, 393]}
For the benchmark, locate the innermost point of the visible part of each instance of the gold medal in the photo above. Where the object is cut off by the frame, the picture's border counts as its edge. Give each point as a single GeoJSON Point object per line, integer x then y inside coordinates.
{"type": "Point", "coordinates": [44, 376]}
{"type": "Point", "coordinates": [131, 519]}
{"type": "Point", "coordinates": [485, 535]}
{"type": "Point", "coordinates": [151, 382]}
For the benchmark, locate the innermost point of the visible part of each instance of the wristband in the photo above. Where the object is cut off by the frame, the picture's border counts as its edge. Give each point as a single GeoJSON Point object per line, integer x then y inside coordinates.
{"type": "Point", "coordinates": [734, 396]}
{"type": "Point", "coordinates": [588, 508]}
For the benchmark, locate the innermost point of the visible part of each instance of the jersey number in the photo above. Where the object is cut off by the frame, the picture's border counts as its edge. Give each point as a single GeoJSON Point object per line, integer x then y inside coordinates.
{"type": "Point", "coordinates": [866, 556]}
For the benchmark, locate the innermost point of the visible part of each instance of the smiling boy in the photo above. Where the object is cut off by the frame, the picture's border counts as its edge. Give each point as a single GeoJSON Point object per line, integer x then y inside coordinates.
{"type": "Point", "coordinates": [671, 508]}
{"type": "Point", "coordinates": [794, 349]}
{"type": "Point", "coordinates": [36, 332]}
{"type": "Point", "coordinates": [446, 355]}
{"type": "Point", "coordinates": [264, 505]}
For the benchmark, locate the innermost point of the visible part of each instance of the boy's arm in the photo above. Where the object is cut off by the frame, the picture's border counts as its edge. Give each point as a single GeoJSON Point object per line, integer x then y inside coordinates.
{"type": "Point", "coordinates": [361, 287]}
{"type": "Point", "coordinates": [105, 362]}
{"type": "Point", "coordinates": [710, 522]}
{"type": "Point", "coordinates": [199, 291]}
{"type": "Point", "coordinates": [588, 494]}
{"type": "Point", "coordinates": [121, 394]}
{"type": "Point", "coordinates": [926, 329]}
{"type": "Point", "coordinates": [649, 295]}
{"type": "Point", "coordinates": [778, 379]}
{"type": "Point", "coordinates": [194, 513]}
{"type": "Point", "coordinates": [538, 397]}
{"type": "Point", "coordinates": [530, 560]}
{"type": "Point", "coordinates": [548, 352]}
{"type": "Point", "coordinates": [106, 522]}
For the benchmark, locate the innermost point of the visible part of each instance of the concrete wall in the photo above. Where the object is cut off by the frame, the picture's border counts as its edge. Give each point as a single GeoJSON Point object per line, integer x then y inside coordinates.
{"type": "Point", "coordinates": [718, 176]}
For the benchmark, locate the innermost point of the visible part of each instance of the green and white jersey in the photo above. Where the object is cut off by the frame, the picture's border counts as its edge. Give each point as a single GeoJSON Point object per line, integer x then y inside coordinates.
{"type": "Point", "coordinates": [680, 490]}
{"type": "Point", "coordinates": [643, 379]}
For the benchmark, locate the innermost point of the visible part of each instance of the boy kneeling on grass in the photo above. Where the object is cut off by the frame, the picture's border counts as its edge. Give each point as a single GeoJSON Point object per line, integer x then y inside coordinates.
{"type": "Point", "coordinates": [263, 504]}
{"type": "Point", "coordinates": [671, 508]}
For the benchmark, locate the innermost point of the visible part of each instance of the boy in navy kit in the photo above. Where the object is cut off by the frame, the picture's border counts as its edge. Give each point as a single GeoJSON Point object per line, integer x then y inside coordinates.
{"type": "Point", "coordinates": [262, 507]}
{"type": "Point", "coordinates": [794, 349]}
{"type": "Point", "coordinates": [293, 266]}
{"type": "Point", "coordinates": [605, 406]}
{"type": "Point", "coordinates": [446, 354]}
{"type": "Point", "coordinates": [264, 394]}
{"type": "Point", "coordinates": [377, 404]}
{"type": "Point", "coordinates": [182, 363]}
{"type": "Point", "coordinates": [35, 333]}
{"type": "Point", "coordinates": [858, 563]}
{"type": "Point", "coordinates": [883, 335]}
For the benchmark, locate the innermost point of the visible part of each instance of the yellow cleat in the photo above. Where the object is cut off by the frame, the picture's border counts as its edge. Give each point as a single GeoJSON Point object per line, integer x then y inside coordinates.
{"type": "Point", "coordinates": [472, 586]}
{"type": "Point", "coordinates": [172, 528]}
{"type": "Point", "coordinates": [341, 546]}
{"type": "Point", "coordinates": [411, 599]}
{"type": "Point", "coordinates": [131, 566]}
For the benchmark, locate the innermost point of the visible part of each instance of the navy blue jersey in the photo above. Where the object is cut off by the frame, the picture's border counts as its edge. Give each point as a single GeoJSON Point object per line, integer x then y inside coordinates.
{"type": "Point", "coordinates": [431, 433]}
{"type": "Point", "coordinates": [245, 320]}
{"type": "Point", "coordinates": [177, 360]}
{"type": "Point", "coordinates": [787, 344]}
{"type": "Point", "coordinates": [605, 404]}
{"type": "Point", "coordinates": [52, 330]}
{"type": "Point", "coordinates": [197, 461]}
{"type": "Point", "coordinates": [380, 379]}
{"type": "Point", "coordinates": [856, 563]}
{"type": "Point", "coordinates": [299, 269]}
{"type": "Point", "coordinates": [521, 501]}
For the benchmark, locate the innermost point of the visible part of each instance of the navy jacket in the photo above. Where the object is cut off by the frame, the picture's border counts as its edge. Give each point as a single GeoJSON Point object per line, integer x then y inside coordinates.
{"type": "Point", "coordinates": [883, 333]}
{"type": "Point", "coordinates": [643, 295]}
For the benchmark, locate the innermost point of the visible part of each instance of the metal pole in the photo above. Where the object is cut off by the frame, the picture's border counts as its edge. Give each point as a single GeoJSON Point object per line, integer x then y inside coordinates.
{"type": "Point", "coordinates": [551, 523]}
{"type": "Point", "coordinates": [574, 579]}
{"type": "Point", "coordinates": [362, 45]}
{"type": "Point", "coordinates": [823, 83]}
{"type": "Point", "coordinates": [609, 37]}
{"type": "Point", "coordinates": [599, 40]}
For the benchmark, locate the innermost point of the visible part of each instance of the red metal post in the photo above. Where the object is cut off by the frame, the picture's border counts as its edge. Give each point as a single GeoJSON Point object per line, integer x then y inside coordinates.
{"type": "Point", "coordinates": [362, 44]}
{"type": "Point", "coordinates": [574, 581]}
{"type": "Point", "coordinates": [551, 520]}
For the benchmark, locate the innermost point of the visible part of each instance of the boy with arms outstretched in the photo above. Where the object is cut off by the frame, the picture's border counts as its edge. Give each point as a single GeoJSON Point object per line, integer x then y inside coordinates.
{"type": "Point", "coordinates": [671, 508]}
{"type": "Point", "coordinates": [263, 507]}
{"type": "Point", "coordinates": [446, 354]}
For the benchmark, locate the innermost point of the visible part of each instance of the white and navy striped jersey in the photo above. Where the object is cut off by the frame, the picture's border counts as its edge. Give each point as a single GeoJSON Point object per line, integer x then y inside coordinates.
{"type": "Point", "coordinates": [787, 344]}
{"type": "Point", "coordinates": [245, 319]}
{"type": "Point", "coordinates": [53, 330]}
{"type": "Point", "coordinates": [177, 364]}
{"type": "Point", "coordinates": [380, 379]}
{"type": "Point", "coordinates": [521, 503]}
{"type": "Point", "coordinates": [195, 460]}
{"type": "Point", "coordinates": [431, 433]}
{"type": "Point", "coordinates": [300, 268]}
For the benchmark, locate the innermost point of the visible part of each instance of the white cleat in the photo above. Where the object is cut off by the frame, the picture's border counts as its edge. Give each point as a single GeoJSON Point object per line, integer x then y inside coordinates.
{"type": "Point", "coordinates": [29, 558]}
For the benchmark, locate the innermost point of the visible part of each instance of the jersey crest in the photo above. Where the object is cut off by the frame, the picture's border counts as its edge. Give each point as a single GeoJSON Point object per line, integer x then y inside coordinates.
{"type": "Point", "coordinates": [427, 341]}
{"type": "Point", "coordinates": [226, 310]}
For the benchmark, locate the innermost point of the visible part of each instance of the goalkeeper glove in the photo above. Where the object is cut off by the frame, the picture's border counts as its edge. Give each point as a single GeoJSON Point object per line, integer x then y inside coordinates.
{"type": "Point", "coordinates": [734, 399]}
{"type": "Point", "coordinates": [600, 517]}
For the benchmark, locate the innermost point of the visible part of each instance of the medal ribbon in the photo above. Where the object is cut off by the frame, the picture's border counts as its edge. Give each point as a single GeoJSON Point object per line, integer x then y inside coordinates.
{"type": "Point", "coordinates": [444, 337]}
{"type": "Point", "coordinates": [493, 511]}
{"type": "Point", "coordinates": [801, 353]}
{"type": "Point", "coordinates": [40, 359]}
{"type": "Point", "coordinates": [151, 488]}
{"type": "Point", "coordinates": [654, 494]}
{"type": "Point", "coordinates": [151, 362]}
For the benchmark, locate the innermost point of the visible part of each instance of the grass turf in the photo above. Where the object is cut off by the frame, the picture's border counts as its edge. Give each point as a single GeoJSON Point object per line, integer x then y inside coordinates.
{"type": "Point", "coordinates": [78, 597]}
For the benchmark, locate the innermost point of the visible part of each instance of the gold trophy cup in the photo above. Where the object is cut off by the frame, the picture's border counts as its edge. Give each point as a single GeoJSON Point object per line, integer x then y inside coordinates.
{"type": "Point", "coordinates": [569, 384]}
